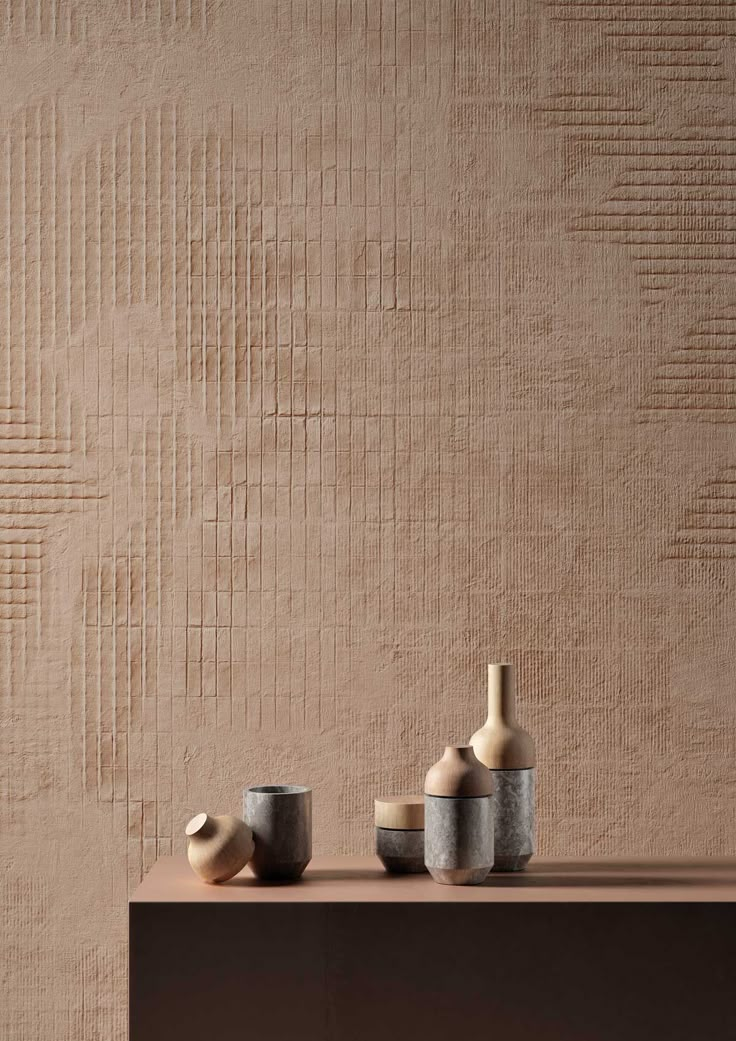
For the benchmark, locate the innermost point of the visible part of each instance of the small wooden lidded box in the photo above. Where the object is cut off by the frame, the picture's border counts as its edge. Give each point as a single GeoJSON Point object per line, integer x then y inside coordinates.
{"type": "Point", "coordinates": [400, 833]}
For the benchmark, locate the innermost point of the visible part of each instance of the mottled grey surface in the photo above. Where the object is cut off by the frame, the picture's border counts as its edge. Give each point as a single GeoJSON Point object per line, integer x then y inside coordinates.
{"type": "Point", "coordinates": [458, 839]}
{"type": "Point", "coordinates": [281, 819]}
{"type": "Point", "coordinates": [514, 819]}
{"type": "Point", "coordinates": [401, 852]}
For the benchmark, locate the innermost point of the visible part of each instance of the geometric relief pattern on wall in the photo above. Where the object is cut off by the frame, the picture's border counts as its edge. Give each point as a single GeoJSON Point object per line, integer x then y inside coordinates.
{"type": "Point", "coordinates": [58, 19]}
{"type": "Point", "coordinates": [673, 199]}
{"type": "Point", "coordinates": [700, 376]}
{"type": "Point", "coordinates": [69, 20]}
{"type": "Point", "coordinates": [680, 41]}
{"type": "Point", "coordinates": [579, 111]}
{"type": "Point", "coordinates": [26, 903]}
{"type": "Point", "coordinates": [290, 326]}
{"type": "Point", "coordinates": [223, 345]}
{"type": "Point", "coordinates": [40, 484]}
{"type": "Point", "coordinates": [308, 408]}
{"type": "Point", "coordinates": [153, 214]}
{"type": "Point", "coordinates": [169, 14]}
{"type": "Point", "coordinates": [90, 365]}
{"type": "Point", "coordinates": [673, 204]}
{"type": "Point", "coordinates": [708, 529]}
{"type": "Point", "coordinates": [160, 243]}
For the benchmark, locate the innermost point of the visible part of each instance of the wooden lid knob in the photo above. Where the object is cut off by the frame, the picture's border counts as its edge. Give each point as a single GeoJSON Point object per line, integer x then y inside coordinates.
{"type": "Point", "coordinates": [400, 812]}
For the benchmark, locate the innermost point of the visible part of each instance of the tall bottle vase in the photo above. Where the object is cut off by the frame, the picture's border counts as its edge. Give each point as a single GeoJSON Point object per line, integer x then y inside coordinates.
{"type": "Point", "coordinates": [508, 752]}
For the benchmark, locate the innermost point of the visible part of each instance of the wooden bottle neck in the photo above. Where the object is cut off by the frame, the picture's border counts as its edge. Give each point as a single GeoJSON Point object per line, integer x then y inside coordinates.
{"type": "Point", "coordinates": [501, 693]}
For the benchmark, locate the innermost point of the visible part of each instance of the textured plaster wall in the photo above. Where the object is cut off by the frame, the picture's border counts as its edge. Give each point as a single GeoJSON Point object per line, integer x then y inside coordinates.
{"type": "Point", "coordinates": [345, 346]}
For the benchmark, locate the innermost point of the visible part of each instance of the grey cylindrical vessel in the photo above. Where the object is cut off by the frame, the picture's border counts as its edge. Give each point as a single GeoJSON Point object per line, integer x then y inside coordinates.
{"type": "Point", "coordinates": [458, 818]}
{"type": "Point", "coordinates": [514, 818]}
{"type": "Point", "coordinates": [401, 852]}
{"type": "Point", "coordinates": [280, 816]}
{"type": "Point", "coordinates": [458, 839]}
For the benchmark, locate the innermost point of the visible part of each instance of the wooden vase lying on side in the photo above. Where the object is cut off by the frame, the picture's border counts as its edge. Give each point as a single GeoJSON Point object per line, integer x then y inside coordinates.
{"type": "Point", "coordinates": [219, 847]}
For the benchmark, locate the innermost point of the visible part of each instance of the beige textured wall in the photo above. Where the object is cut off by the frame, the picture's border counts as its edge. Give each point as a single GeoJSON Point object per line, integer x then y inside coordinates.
{"type": "Point", "coordinates": [344, 346]}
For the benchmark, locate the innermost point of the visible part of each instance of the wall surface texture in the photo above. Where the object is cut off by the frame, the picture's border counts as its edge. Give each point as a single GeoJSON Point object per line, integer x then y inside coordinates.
{"type": "Point", "coordinates": [346, 345]}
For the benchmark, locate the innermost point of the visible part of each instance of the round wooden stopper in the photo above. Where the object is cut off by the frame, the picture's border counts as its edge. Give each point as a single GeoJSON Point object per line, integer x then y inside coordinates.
{"type": "Point", "coordinates": [400, 812]}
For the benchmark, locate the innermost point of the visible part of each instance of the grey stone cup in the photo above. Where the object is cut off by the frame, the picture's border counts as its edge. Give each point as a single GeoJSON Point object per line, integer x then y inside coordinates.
{"type": "Point", "coordinates": [280, 817]}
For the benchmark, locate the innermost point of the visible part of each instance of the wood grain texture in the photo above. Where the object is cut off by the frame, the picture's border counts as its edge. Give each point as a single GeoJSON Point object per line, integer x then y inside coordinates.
{"type": "Point", "coordinates": [344, 348]}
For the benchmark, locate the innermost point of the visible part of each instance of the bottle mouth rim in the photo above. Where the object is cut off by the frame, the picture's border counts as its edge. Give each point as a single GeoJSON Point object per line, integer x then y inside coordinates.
{"type": "Point", "coordinates": [196, 824]}
{"type": "Point", "coordinates": [278, 789]}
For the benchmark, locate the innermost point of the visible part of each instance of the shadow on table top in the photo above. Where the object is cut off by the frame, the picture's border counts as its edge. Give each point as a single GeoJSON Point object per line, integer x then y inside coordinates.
{"type": "Point", "coordinates": [599, 874]}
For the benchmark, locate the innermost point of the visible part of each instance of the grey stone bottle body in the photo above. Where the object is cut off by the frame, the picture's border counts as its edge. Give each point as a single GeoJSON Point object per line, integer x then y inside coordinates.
{"type": "Point", "coordinates": [458, 839]}
{"type": "Point", "coordinates": [514, 822]}
{"type": "Point", "coordinates": [508, 752]}
{"type": "Point", "coordinates": [458, 818]}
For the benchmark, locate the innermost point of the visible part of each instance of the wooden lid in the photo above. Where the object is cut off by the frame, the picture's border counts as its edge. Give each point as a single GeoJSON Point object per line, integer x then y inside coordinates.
{"type": "Point", "coordinates": [459, 775]}
{"type": "Point", "coordinates": [400, 812]}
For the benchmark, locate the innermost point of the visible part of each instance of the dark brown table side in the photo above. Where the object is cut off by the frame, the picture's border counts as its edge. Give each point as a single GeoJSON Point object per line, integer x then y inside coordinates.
{"type": "Point", "coordinates": [596, 950]}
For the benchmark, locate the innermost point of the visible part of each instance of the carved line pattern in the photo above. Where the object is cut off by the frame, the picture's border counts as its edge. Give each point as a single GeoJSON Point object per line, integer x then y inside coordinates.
{"type": "Point", "coordinates": [679, 41]}
{"type": "Point", "coordinates": [701, 375]}
{"type": "Point", "coordinates": [69, 20]}
{"type": "Point", "coordinates": [708, 531]}
{"type": "Point", "coordinates": [674, 205]}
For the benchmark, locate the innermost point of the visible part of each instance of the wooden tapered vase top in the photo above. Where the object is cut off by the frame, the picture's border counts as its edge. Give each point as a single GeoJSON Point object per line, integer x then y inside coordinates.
{"type": "Point", "coordinates": [458, 775]}
{"type": "Point", "coordinates": [501, 744]}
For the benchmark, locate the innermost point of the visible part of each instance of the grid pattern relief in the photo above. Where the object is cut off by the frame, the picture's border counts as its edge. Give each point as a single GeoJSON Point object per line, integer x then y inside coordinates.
{"type": "Point", "coordinates": [344, 347]}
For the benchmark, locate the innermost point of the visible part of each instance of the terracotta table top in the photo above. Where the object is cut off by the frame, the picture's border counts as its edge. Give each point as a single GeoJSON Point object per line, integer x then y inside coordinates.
{"type": "Point", "coordinates": [330, 880]}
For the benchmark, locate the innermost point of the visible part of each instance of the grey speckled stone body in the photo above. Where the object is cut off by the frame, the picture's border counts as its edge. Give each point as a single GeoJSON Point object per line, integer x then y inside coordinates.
{"type": "Point", "coordinates": [400, 852]}
{"type": "Point", "coordinates": [514, 819]}
{"type": "Point", "coordinates": [280, 816]}
{"type": "Point", "coordinates": [458, 839]}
